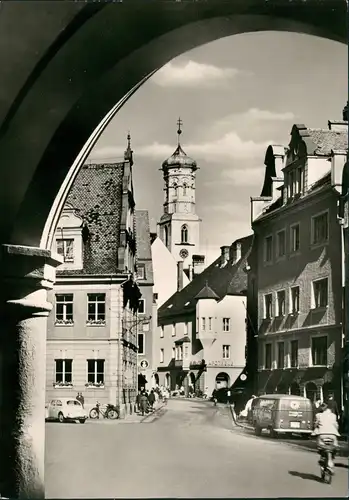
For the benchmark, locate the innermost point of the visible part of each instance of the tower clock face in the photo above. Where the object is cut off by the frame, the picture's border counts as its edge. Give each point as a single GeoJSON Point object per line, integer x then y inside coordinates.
{"type": "Point", "coordinates": [184, 253]}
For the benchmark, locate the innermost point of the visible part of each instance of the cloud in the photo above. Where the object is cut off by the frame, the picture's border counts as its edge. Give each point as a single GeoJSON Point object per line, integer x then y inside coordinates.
{"type": "Point", "coordinates": [260, 114]}
{"type": "Point", "coordinates": [242, 177]}
{"type": "Point", "coordinates": [155, 151]}
{"type": "Point", "coordinates": [250, 121]}
{"type": "Point", "coordinates": [231, 208]}
{"type": "Point", "coordinates": [230, 147]}
{"type": "Point", "coordinates": [193, 75]}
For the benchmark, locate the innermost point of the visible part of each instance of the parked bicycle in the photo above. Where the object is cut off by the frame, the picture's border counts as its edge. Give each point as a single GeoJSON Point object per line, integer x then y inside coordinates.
{"type": "Point", "coordinates": [111, 411]}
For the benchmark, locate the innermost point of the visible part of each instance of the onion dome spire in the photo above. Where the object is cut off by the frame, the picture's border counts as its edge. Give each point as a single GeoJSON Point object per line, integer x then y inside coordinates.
{"type": "Point", "coordinates": [179, 157]}
{"type": "Point", "coordinates": [128, 155]}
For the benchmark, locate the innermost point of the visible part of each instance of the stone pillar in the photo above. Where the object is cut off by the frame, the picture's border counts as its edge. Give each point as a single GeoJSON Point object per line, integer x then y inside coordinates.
{"type": "Point", "coordinates": [26, 275]}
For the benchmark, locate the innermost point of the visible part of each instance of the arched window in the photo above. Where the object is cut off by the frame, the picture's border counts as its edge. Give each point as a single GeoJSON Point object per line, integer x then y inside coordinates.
{"type": "Point", "coordinates": [184, 234]}
{"type": "Point", "coordinates": [166, 236]}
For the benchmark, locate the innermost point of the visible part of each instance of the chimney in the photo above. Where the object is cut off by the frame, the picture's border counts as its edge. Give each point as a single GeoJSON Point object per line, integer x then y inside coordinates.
{"type": "Point", "coordinates": [179, 275]}
{"type": "Point", "coordinates": [236, 252]}
{"type": "Point", "coordinates": [224, 255]}
{"type": "Point", "coordinates": [198, 264]}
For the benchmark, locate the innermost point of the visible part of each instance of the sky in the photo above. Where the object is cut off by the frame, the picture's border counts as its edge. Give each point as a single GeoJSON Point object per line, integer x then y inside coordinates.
{"type": "Point", "coordinates": [235, 96]}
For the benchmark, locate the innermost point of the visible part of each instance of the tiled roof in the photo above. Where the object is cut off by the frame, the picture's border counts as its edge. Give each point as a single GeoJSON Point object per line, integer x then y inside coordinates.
{"type": "Point", "coordinates": [142, 230]}
{"type": "Point", "coordinates": [278, 203]}
{"type": "Point", "coordinates": [230, 278]}
{"type": "Point", "coordinates": [143, 245]}
{"type": "Point", "coordinates": [96, 195]}
{"type": "Point", "coordinates": [325, 140]}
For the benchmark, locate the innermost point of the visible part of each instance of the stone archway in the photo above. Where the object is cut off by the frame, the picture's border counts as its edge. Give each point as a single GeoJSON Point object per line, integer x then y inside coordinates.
{"type": "Point", "coordinates": [156, 378]}
{"type": "Point", "coordinates": [91, 69]}
{"type": "Point", "coordinates": [295, 389]}
{"type": "Point", "coordinates": [311, 391]}
{"type": "Point", "coordinates": [327, 390]}
{"type": "Point", "coordinates": [168, 381]}
{"type": "Point", "coordinates": [192, 383]}
{"type": "Point", "coordinates": [222, 380]}
{"type": "Point", "coordinates": [282, 389]}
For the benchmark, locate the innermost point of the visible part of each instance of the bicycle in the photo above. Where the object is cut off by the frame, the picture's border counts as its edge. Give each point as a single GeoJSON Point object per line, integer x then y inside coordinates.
{"type": "Point", "coordinates": [327, 453]}
{"type": "Point", "coordinates": [111, 412]}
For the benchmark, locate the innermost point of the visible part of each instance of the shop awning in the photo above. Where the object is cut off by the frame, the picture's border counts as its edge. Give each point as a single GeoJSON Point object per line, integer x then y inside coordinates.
{"type": "Point", "coordinates": [183, 340]}
{"type": "Point", "coordinates": [317, 374]}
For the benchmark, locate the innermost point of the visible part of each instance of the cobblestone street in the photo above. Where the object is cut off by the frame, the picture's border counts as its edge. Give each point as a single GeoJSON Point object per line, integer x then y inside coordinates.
{"type": "Point", "coordinates": [187, 449]}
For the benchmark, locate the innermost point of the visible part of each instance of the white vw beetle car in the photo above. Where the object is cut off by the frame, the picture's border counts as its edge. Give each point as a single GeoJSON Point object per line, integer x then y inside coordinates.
{"type": "Point", "coordinates": [64, 409]}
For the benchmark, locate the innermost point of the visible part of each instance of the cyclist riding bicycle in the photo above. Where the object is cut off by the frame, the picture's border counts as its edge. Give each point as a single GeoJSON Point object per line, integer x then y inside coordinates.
{"type": "Point", "coordinates": [326, 427]}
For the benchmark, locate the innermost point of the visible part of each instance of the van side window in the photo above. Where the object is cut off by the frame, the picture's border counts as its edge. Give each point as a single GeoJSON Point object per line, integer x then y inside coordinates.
{"type": "Point", "coordinates": [267, 403]}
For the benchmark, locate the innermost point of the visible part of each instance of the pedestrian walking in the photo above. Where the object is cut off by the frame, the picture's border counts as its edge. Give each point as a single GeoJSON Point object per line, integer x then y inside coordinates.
{"type": "Point", "coordinates": [332, 405]}
{"type": "Point", "coordinates": [214, 397]}
{"type": "Point", "coordinates": [151, 399]}
{"type": "Point", "coordinates": [138, 401]}
{"type": "Point", "coordinates": [80, 398]}
{"type": "Point", "coordinates": [143, 402]}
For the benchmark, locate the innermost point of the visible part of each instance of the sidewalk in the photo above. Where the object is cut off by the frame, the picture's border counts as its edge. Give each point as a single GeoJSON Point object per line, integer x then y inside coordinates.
{"type": "Point", "coordinates": [134, 418]}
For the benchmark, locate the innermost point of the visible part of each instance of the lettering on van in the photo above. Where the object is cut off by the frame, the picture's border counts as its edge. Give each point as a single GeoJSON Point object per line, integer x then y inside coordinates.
{"type": "Point", "coordinates": [295, 414]}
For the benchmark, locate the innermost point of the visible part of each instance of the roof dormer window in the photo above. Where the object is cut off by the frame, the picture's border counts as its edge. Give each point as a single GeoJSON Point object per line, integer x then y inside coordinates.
{"type": "Point", "coordinates": [68, 241]}
{"type": "Point", "coordinates": [295, 182]}
{"type": "Point", "coordinates": [65, 248]}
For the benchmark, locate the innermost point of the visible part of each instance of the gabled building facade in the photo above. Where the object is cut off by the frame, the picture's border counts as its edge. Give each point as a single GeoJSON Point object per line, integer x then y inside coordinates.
{"type": "Point", "coordinates": [146, 310]}
{"type": "Point", "coordinates": [92, 333]}
{"type": "Point", "coordinates": [201, 328]}
{"type": "Point", "coordinates": [298, 268]}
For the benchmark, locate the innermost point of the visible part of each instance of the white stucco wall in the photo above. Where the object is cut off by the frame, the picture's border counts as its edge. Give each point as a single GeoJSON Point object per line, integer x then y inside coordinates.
{"type": "Point", "coordinates": [165, 272]}
{"type": "Point", "coordinates": [230, 307]}
{"type": "Point", "coordinates": [317, 168]}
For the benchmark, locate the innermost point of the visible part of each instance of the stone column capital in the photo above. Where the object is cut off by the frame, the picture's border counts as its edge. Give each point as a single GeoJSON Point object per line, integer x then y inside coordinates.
{"type": "Point", "coordinates": [26, 274]}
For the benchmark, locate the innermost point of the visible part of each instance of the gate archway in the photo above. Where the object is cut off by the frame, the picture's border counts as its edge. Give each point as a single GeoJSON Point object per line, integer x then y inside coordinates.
{"type": "Point", "coordinates": [311, 391]}
{"type": "Point", "coordinates": [295, 389]}
{"type": "Point", "coordinates": [64, 82]}
{"type": "Point", "coordinates": [222, 380]}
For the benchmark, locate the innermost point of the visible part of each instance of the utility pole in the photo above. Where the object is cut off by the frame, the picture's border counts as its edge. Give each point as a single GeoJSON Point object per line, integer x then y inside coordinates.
{"type": "Point", "coordinates": [345, 214]}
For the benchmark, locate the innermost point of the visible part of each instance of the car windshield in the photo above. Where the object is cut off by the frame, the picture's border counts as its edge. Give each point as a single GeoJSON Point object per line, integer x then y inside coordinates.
{"type": "Point", "coordinates": [73, 402]}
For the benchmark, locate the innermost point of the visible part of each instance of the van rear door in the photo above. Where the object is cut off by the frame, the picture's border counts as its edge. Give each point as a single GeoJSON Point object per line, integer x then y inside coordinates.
{"type": "Point", "coordinates": [296, 414]}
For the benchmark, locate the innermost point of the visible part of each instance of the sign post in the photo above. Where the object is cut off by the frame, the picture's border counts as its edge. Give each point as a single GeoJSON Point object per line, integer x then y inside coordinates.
{"type": "Point", "coordinates": [144, 364]}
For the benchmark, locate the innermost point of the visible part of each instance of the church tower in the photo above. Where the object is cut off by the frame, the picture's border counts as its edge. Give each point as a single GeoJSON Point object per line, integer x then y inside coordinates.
{"type": "Point", "coordinates": [179, 226]}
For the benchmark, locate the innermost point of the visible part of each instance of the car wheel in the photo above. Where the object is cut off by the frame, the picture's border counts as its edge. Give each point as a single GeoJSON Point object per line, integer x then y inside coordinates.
{"type": "Point", "coordinates": [82, 421]}
{"type": "Point", "coordinates": [60, 417]}
{"type": "Point", "coordinates": [258, 430]}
